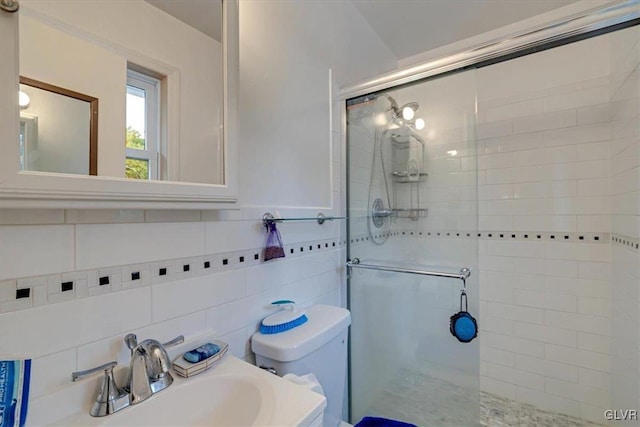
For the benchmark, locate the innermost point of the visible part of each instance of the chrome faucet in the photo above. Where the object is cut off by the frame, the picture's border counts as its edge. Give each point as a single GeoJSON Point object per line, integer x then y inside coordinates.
{"type": "Point", "coordinates": [149, 367]}
{"type": "Point", "coordinates": [148, 374]}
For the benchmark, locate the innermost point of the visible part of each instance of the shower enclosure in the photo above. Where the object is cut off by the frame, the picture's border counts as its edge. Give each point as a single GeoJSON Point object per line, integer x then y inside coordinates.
{"type": "Point", "coordinates": [523, 169]}
{"type": "Point", "coordinates": [413, 202]}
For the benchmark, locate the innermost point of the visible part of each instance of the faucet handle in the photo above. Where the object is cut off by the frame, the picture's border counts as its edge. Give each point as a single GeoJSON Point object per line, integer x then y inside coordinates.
{"type": "Point", "coordinates": [110, 398]}
{"type": "Point", "coordinates": [80, 375]}
{"type": "Point", "coordinates": [177, 340]}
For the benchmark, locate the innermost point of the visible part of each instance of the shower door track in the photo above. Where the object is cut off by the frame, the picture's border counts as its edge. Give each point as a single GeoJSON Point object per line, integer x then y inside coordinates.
{"type": "Point", "coordinates": [462, 275]}
{"type": "Point", "coordinates": [580, 25]}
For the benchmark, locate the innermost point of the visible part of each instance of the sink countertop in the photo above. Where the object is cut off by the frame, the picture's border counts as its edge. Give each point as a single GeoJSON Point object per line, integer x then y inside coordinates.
{"type": "Point", "coordinates": [233, 393]}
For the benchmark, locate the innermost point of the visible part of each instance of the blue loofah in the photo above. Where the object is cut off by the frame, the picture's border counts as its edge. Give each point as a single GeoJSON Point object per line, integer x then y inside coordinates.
{"type": "Point", "coordinates": [465, 328]}
{"type": "Point", "coordinates": [275, 329]}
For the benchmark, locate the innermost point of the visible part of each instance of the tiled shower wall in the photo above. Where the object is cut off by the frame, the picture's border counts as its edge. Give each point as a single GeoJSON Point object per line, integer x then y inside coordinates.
{"type": "Point", "coordinates": [545, 198]}
{"type": "Point", "coordinates": [550, 173]}
{"type": "Point", "coordinates": [625, 186]}
{"type": "Point", "coordinates": [545, 307]}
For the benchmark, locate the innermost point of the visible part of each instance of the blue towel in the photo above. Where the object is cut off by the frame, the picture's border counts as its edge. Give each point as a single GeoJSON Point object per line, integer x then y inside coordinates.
{"type": "Point", "coordinates": [381, 422]}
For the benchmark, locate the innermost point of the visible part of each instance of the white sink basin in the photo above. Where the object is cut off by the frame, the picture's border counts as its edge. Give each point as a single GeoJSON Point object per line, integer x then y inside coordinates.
{"type": "Point", "coordinates": [234, 393]}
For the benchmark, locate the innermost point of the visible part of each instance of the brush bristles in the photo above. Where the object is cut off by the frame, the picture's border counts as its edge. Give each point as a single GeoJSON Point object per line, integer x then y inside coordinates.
{"type": "Point", "coordinates": [275, 329]}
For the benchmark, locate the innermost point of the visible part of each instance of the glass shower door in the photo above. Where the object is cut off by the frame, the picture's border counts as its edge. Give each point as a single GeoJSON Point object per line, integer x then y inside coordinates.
{"type": "Point", "coordinates": [412, 187]}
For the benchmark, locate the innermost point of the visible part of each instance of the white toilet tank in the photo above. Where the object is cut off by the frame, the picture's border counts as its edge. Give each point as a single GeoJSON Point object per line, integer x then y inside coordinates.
{"type": "Point", "coordinates": [318, 346]}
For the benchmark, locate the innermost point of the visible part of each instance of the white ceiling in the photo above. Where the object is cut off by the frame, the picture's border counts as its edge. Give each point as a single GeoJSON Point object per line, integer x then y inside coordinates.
{"type": "Point", "coordinates": [203, 15]}
{"type": "Point", "coordinates": [410, 27]}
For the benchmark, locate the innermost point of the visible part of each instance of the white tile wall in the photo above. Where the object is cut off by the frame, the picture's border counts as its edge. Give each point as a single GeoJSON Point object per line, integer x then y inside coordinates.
{"type": "Point", "coordinates": [79, 329]}
{"type": "Point", "coordinates": [625, 188]}
{"type": "Point", "coordinates": [41, 250]}
{"type": "Point", "coordinates": [554, 173]}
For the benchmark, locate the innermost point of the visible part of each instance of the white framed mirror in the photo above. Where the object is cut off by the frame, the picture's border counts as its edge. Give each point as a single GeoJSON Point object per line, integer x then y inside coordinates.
{"type": "Point", "coordinates": [167, 89]}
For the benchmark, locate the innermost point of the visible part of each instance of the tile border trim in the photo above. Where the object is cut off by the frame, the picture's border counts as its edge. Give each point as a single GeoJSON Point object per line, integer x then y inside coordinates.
{"type": "Point", "coordinates": [28, 292]}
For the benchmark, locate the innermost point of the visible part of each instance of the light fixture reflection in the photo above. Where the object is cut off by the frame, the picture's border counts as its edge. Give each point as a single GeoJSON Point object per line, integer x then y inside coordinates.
{"type": "Point", "coordinates": [408, 113]}
{"type": "Point", "coordinates": [419, 124]}
{"type": "Point", "coordinates": [380, 119]}
{"type": "Point", "coordinates": [452, 152]}
{"type": "Point", "coordinates": [23, 100]}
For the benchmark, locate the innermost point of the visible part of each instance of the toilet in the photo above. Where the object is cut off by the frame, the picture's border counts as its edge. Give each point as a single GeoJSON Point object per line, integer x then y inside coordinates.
{"type": "Point", "coordinates": [318, 346]}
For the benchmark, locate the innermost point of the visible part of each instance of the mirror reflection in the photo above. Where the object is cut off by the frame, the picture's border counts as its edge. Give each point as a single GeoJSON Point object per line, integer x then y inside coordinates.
{"type": "Point", "coordinates": [156, 67]}
{"type": "Point", "coordinates": [58, 129]}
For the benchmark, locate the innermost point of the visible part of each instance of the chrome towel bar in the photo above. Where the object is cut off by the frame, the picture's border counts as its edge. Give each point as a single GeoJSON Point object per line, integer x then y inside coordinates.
{"type": "Point", "coordinates": [462, 275]}
{"type": "Point", "coordinates": [320, 218]}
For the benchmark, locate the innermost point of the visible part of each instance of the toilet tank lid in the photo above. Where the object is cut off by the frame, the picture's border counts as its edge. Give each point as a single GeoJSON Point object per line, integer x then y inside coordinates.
{"type": "Point", "coordinates": [325, 323]}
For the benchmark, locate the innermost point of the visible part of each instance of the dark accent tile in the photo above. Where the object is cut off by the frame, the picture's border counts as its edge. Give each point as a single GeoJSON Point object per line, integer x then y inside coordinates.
{"type": "Point", "coordinates": [104, 280]}
{"type": "Point", "coordinates": [23, 293]}
{"type": "Point", "coordinates": [162, 272]}
{"type": "Point", "coordinates": [257, 256]}
{"type": "Point", "coordinates": [66, 286]}
{"type": "Point", "coordinates": [135, 275]}
{"type": "Point", "coordinates": [596, 238]}
{"type": "Point", "coordinates": [225, 261]}
{"type": "Point", "coordinates": [207, 264]}
{"type": "Point", "coordinates": [186, 268]}
{"type": "Point", "coordinates": [241, 259]}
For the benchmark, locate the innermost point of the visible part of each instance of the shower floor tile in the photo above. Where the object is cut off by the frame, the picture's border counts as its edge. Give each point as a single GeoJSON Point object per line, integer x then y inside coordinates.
{"type": "Point", "coordinates": [423, 400]}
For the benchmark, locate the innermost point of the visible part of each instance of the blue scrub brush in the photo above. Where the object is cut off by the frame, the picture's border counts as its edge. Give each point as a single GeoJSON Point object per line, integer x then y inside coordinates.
{"type": "Point", "coordinates": [284, 320]}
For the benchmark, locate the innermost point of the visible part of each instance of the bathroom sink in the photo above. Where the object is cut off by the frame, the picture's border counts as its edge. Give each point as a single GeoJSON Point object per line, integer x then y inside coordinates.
{"type": "Point", "coordinates": [234, 393]}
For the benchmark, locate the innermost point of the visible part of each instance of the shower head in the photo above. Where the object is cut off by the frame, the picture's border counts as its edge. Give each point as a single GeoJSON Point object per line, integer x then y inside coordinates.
{"type": "Point", "coordinates": [397, 110]}
{"type": "Point", "coordinates": [392, 101]}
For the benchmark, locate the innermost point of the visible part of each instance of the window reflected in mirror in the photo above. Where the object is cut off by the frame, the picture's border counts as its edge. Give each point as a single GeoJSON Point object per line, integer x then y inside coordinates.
{"type": "Point", "coordinates": [142, 117]}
